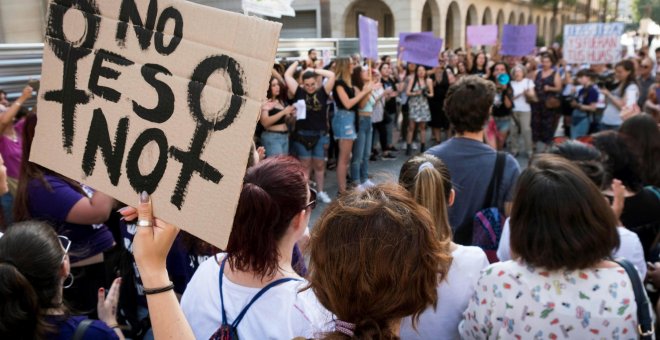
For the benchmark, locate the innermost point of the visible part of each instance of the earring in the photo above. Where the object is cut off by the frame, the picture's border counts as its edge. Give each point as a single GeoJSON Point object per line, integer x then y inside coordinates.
{"type": "Point", "coordinates": [65, 286]}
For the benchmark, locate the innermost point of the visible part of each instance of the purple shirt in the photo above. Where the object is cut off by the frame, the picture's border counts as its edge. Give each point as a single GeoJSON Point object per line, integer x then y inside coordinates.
{"type": "Point", "coordinates": [54, 205]}
{"type": "Point", "coordinates": [67, 327]}
{"type": "Point", "coordinates": [12, 151]}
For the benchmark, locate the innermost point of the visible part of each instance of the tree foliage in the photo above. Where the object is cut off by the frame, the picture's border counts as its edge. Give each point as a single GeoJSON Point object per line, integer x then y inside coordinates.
{"type": "Point", "coordinates": [641, 9]}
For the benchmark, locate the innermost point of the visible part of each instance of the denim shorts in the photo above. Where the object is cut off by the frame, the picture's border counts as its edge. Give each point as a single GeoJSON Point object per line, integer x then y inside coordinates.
{"type": "Point", "coordinates": [343, 125]}
{"type": "Point", "coordinates": [503, 123]}
{"type": "Point", "coordinates": [318, 151]}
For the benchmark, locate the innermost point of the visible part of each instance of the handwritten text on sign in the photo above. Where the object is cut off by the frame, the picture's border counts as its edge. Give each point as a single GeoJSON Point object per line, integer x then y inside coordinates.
{"type": "Point", "coordinates": [596, 43]}
{"type": "Point", "coordinates": [143, 95]}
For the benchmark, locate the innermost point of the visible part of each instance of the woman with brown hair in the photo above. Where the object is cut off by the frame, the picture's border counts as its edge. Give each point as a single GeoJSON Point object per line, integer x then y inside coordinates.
{"type": "Point", "coordinates": [548, 85]}
{"type": "Point", "coordinates": [561, 280]}
{"type": "Point", "coordinates": [272, 215]}
{"type": "Point", "coordinates": [375, 259]}
{"type": "Point", "coordinates": [75, 211]}
{"type": "Point", "coordinates": [427, 178]}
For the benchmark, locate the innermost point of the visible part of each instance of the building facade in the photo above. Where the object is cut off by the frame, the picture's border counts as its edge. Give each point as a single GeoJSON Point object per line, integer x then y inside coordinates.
{"type": "Point", "coordinates": [23, 21]}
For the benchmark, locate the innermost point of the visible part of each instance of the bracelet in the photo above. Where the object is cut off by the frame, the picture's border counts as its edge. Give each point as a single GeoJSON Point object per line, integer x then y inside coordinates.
{"type": "Point", "coordinates": [113, 326]}
{"type": "Point", "coordinates": [19, 103]}
{"type": "Point", "coordinates": [152, 291]}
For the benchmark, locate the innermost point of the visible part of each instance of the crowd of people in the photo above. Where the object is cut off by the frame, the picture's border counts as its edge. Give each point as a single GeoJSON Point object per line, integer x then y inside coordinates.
{"type": "Point", "coordinates": [467, 244]}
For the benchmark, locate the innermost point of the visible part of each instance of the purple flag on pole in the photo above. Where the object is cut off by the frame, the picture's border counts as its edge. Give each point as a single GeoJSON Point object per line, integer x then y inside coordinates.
{"type": "Point", "coordinates": [420, 48]}
{"type": "Point", "coordinates": [482, 35]}
{"type": "Point", "coordinates": [518, 40]}
{"type": "Point", "coordinates": [368, 30]}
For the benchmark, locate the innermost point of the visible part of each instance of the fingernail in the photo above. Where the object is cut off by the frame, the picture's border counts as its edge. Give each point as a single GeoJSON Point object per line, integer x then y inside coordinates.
{"type": "Point", "coordinates": [122, 209]}
{"type": "Point", "coordinates": [144, 197]}
{"type": "Point", "coordinates": [101, 290]}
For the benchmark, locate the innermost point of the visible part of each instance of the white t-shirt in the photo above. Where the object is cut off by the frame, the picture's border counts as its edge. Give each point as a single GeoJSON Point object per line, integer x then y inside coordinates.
{"type": "Point", "coordinates": [453, 296]}
{"type": "Point", "coordinates": [630, 248]}
{"type": "Point", "coordinates": [520, 104]}
{"type": "Point", "coordinates": [281, 313]}
{"type": "Point", "coordinates": [612, 115]}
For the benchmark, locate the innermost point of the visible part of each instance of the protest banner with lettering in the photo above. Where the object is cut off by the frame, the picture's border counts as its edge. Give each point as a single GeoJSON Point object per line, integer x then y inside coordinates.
{"type": "Point", "coordinates": [368, 31]}
{"type": "Point", "coordinates": [596, 43]}
{"type": "Point", "coordinates": [269, 8]}
{"type": "Point", "coordinates": [482, 35]}
{"type": "Point", "coordinates": [144, 95]}
{"type": "Point", "coordinates": [518, 40]}
{"type": "Point", "coordinates": [420, 48]}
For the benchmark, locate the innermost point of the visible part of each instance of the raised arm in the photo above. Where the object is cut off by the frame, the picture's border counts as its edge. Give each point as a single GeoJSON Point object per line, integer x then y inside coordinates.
{"type": "Point", "coordinates": [330, 76]}
{"type": "Point", "coordinates": [7, 118]}
{"type": "Point", "coordinates": [291, 82]}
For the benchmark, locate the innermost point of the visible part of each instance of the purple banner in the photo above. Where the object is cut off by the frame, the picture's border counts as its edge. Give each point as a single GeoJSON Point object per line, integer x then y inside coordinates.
{"type": "Point", "coordinates": [420, 48]}
{"type": "Point", "coordinates": [518, 40]}
{"type": "Point", "coordinates": [482, 35]}
{"type": "Point", "coordinates": [368, 30]}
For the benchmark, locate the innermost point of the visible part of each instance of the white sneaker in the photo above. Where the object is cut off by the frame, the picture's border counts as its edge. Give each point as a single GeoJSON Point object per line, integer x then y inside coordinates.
{"type": "Point", "coordinates": [367, 184]}
{"type": "Point", "coordinates": [323, 196]}
{"type": "Point", "coordinates": [414, 146]}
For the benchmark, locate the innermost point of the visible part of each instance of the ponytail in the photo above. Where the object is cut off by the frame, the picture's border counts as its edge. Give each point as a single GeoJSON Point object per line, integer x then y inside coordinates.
{"type": "Point", "coordinates": [430, 192]}
{"type": "Point", "coordinates": [20, 314]}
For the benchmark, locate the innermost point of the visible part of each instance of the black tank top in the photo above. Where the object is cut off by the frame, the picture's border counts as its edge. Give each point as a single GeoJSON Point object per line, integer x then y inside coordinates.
{"type": "Point", "coordinates": [273, 112]}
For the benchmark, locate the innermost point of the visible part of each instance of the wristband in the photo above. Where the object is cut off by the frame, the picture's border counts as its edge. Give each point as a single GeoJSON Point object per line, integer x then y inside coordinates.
{"type": "Point", "coordinates": [19, 103]}
{"type": "Point", "coordinates": [152, 291]}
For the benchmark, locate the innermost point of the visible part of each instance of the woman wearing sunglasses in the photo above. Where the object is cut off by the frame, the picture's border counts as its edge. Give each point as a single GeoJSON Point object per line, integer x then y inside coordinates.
{"type": "Point", "coordinates": [272, 215]}
{"type": "Point", "coordinates": [34, 267]}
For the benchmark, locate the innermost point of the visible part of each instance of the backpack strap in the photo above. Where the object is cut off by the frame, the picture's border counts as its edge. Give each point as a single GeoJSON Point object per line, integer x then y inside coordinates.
{"type": "Point", "coordinates": [81, 329]}
{"type": "Point", "coordinates": [254, 299]}
{"type": "Point", "coordinates": [496, 178]}
{"type": "Point", "coordinates": [645, 327]}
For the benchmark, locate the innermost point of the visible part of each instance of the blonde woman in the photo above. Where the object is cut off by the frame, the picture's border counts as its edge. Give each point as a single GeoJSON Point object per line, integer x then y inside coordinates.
{"type": "Point", "coordinates": [347, 97]}
{"type": "Point", "coordinates": [428, 180]}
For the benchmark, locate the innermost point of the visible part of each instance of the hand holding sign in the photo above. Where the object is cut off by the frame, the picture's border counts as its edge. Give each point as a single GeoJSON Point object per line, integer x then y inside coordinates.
{"type": "Point", "coordinates": [162, 107]}
{"type": "Point", "coordinates": [482, 35]}
{"type": "Point", "coordinates": [420, 48]}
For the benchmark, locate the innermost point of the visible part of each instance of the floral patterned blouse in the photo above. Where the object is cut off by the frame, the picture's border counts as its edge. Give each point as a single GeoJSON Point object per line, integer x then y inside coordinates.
{"type": "Point", "coordinates": [515, 301]}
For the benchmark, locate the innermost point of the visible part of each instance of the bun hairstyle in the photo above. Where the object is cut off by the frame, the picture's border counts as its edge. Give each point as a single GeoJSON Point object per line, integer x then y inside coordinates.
{"type": "Point", "coordinates": [274, 192]}
{"type": "Point", "coordinates": [30, 282]}
{"type": "Point", "coordinates": [427, 178]}
{"type": "Point", "coordinates": [374, 259]}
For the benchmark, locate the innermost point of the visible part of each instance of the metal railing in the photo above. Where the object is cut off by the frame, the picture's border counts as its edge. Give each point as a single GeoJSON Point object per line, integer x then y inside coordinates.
{"type": "Point", "coordinates": [20, 63]}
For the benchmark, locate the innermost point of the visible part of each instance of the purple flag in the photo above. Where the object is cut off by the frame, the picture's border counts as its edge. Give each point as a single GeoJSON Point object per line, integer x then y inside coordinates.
{"type": "Point", "coordinates": [518, 40]}
{"type": "Point", "coordinates": [482, 35]}
{"type": "Point", "coordinates": [420, 48]}
{"type": "Point", "coordinates": [368, 37]}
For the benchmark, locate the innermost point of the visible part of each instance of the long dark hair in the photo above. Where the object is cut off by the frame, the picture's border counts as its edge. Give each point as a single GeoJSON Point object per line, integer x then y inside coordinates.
{"type": "Point", "coordinates": [631, 79]}
{"type": "Point", "coordinates": [642, 133]}
{"type": "Point", "coordinates": [283, 90]}
{"type": "Point", "coordinates": [30, 171]}
{"type": "Point", "coordinates": [356, 77]}
{"type": "Point", "coordinates": [274, 191]}
{"type": "Point", "coordinates": [475, 68]}
{"type": "Point", "coordinates": [30, 283]}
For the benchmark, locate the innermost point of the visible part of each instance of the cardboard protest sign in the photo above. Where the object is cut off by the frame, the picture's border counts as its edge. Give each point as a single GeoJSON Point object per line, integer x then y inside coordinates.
{"type": "Point", "coordinates": [482, 35]}
{"type": "Point", "coordinates": [368, 37]}
{"type": "Point", "coordinates": [596, 43]}
{"type": "Point", "coordinates": [518, 40]}
{"type": "Point", "coordinates": [420, 48]}
{"type": "Point", "coordinates": [269, 8]}
{"type": "Point", "coordinates": [144, 95]}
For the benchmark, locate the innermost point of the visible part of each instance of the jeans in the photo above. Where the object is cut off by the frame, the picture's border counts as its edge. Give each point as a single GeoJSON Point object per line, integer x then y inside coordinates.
{"type": "Point", "coordinates": [579, 124]}
{"type": "Point", "coordinates": [275, 143]}
{"type": "Point", "coordinates": [362, 151]}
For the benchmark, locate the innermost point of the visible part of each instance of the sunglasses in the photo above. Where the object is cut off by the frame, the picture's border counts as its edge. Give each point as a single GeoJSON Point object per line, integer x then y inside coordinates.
{"type": "Point", "coordinates": [66, 244]}
{"type": "Point", "coordinates": [312, 199]}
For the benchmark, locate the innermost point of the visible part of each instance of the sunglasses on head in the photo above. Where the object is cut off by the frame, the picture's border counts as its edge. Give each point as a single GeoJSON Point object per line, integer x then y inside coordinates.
{"type": "Point", "coordinates": [312, 199]}
{"type": "Point", "coordinates": [66, 244]}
